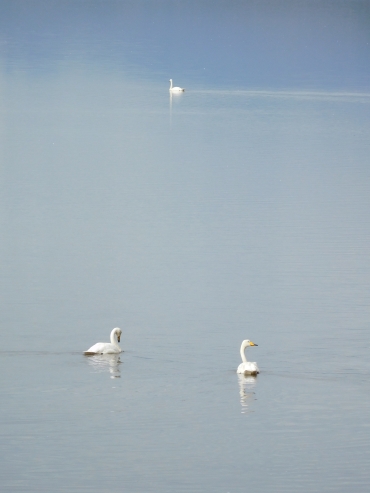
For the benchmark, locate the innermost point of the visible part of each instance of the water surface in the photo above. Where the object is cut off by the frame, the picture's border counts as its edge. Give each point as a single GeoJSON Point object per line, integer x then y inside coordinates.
{"type": "Point", "coordinates": [236, 210]}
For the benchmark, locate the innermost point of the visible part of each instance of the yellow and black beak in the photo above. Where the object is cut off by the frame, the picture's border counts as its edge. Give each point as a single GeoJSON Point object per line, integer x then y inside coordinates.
{"type": "Point", "coordinates": [119, 338]}
{"type": "Point", "coordinates": [253, 344]}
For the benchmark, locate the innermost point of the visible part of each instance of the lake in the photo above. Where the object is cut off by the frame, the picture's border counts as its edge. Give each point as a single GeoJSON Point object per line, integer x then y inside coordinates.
{"type": "Point", "coordinates": [238, 209]}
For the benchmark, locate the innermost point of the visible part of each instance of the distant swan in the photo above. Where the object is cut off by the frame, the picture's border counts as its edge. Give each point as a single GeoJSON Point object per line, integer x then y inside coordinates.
{"type": "Point", "coordinates": [107, 347]}
{"type": "Point", "coordinates": [247, 367]}
{"type": "Point", "coordinates": [175, 89]}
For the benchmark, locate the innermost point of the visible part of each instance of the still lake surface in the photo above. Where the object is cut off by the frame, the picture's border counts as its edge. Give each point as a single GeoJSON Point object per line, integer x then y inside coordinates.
{"type": "Point", "coordinates": [239, 209]}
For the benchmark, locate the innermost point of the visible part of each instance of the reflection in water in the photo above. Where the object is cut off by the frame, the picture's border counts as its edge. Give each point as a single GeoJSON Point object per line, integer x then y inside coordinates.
{"type": "Point", "coordinates": [246, 391]}
{"type": "Point", "coordinates": [175, 95]}
{"type": "Point", "coordinates": [170, 109]}
{"type": "Point", "coordinates": [106, 362]}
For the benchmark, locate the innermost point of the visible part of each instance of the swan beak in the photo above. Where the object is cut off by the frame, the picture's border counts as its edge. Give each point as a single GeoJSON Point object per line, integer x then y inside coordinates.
{"type": "Point", "coordinates": [119, 338]}
{"type": "Point", "coordinates": [253, 344]}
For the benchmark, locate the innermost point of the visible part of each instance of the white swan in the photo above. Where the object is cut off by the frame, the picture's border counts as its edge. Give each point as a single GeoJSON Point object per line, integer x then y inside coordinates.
{"type": "Point", "coordinates": [175, 89]}
{"type": "Point", "coordinates": [107, 347]}
{"type": "Point", "coordinates": [247, 367]}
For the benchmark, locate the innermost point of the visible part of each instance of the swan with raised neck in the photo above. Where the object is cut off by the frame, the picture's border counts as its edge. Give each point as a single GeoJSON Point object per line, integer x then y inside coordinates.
{"type": "Point", "coordinates": [111, 347]}
{"type": "Point", "coordinates": [247, 367]}
{"type": "Point", "coordinates": [175, 89]}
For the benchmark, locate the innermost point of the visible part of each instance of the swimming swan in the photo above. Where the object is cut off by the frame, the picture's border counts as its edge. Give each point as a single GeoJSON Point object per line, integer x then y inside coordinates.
{"type": "Point", "coordinates": [107, 347]}
{"type": "Point", "coordinates": [175, 89]}
{"type": "Point", "coordinates": [247, 367]}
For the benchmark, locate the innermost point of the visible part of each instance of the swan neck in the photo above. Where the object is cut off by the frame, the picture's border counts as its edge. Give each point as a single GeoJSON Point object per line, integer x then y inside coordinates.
{"type": "Point", "coordinates": [113, 338]}
{"type": "Point", "coordinates": [170, 83]}
{"type": "Point", "coordinates": [242, 353]}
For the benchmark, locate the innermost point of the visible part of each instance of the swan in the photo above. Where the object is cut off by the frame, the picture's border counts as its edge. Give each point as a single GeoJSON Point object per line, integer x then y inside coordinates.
{"type": "Point", "coordinates": [107, 347]}
{"type": "Point", "coordinates": [175, 89]}
{"type": "Point", "coordinates": [247, 367]}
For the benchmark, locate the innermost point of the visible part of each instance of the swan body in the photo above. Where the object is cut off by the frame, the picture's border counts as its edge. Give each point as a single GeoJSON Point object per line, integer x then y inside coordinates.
{"type": "Point", "coordinates": [111, 347]}
{"type": "Point", "coordinates": [247, 367]}
{"type": "Point", "coordinates": [175, 89]}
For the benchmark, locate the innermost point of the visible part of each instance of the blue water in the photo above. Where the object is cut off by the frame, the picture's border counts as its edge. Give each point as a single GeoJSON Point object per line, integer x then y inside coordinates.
{"type": "Point", "coordinates": [238, 209]}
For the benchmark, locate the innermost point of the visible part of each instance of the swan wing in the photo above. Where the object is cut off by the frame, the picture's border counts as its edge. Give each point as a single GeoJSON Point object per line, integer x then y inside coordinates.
{"type": "Point", "coordinates": [248, 367]}
{"type": "Point", "coordinates": [103, 348]}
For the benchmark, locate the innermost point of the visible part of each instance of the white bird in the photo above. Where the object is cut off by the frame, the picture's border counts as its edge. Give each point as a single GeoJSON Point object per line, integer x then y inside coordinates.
{"type": "Point", "coordinates": [247, 367]}
{"type": "Point", "coordinates": [107, 347]}
{"type": "Point", "coordinates": [175, 89]}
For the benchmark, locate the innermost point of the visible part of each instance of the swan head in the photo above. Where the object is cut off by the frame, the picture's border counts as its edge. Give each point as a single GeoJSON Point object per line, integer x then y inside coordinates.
{"type": "Point", "coordinates": [118, 333]}
{"type": "Point", "coordinates": [247, 343]}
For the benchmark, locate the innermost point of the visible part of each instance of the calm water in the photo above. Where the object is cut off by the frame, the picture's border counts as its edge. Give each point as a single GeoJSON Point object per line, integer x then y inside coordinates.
{"type": "Point", "coordinates": [239, 209]}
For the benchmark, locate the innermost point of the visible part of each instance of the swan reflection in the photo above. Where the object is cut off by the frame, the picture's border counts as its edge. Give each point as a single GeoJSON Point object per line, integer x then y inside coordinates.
{"type": "Point", "coordinates": [177, 96]}
{"type": "Point", "coordinates": [106, 362]}
{"type": "Point", "coordinates": [246, 392]}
